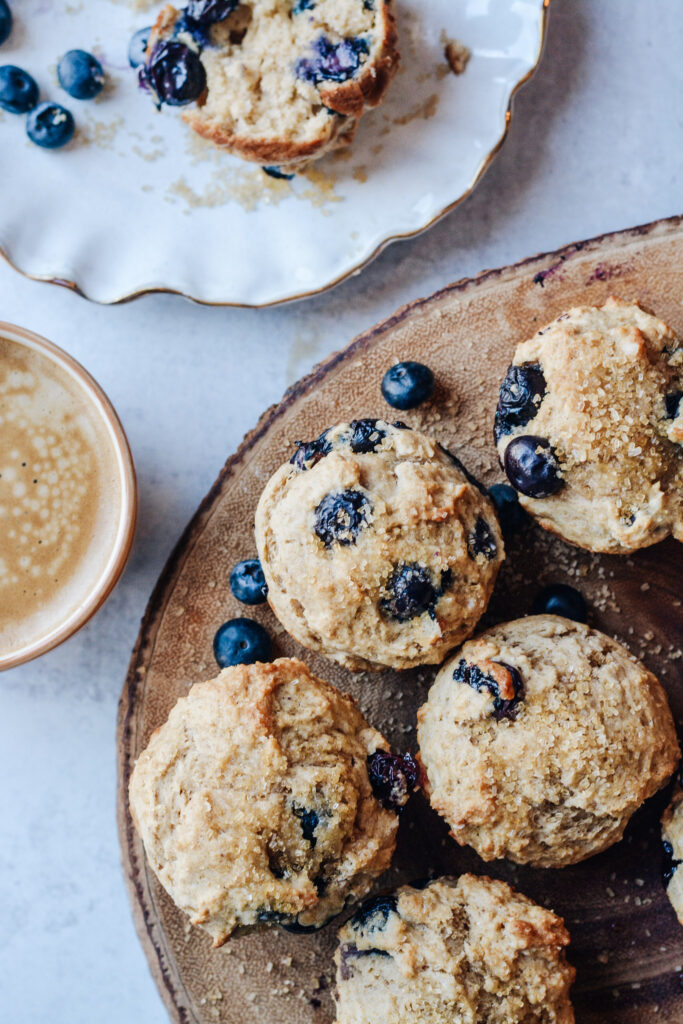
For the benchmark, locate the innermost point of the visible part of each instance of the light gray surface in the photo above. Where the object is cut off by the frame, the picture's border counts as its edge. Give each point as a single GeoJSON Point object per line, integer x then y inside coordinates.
{"type": "Point", "coordinates": [596, 145]}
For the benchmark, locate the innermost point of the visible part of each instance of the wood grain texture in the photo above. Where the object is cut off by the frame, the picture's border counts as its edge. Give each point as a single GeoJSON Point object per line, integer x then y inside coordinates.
{"type": "Point", "coordinates": [626, 943]}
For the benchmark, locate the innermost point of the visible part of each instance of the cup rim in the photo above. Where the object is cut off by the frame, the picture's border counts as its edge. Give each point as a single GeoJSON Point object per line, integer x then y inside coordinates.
{"type": "Point", "coordinates": [96, 397]}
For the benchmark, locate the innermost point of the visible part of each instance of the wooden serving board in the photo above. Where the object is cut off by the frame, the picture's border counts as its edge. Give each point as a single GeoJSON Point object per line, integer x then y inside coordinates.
{"type": "Point", "coordinates": [626, 943]}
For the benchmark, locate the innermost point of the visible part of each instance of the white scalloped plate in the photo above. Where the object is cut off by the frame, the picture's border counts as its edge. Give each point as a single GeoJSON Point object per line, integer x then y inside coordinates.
{"type": "Point", "coordinates": [137, 203]}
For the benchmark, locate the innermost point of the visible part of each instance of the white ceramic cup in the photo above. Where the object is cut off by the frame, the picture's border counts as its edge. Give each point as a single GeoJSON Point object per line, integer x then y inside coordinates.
{"type": "Point", "coordinates": [99, 406]}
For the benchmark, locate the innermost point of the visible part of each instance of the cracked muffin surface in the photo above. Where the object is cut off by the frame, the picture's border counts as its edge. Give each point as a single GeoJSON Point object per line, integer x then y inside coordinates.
{"type": "Point", "coordinates": [285, 81]}
{"type": "Point", "coordinates": [539, 740]}
{"type": "Point", "coordinates": [672, 839]}
{"type": "Point", "coordinates": [255, 804]}
{"type": "Point", "coordinates": [468, 950]}
{"type": "Point", "coordinates": [589, 427]}
{"type": "Point", "coordinates": [377, 548]}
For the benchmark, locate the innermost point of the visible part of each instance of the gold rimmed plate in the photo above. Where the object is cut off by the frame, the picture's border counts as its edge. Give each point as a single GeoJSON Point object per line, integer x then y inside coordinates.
{"type": "Point", "coordinates": [137, 203]}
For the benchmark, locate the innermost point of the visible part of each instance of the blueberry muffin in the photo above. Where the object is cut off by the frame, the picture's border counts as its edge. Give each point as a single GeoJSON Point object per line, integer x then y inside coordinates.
{"type": "Point", "coordinates": [470, 949]}
{"type": "Point", "coordinates": [255, 801]}
{"type": "Point", "coordinates": [672, 838]}
{"type": "Point", "coordinates": [279, 82]}
{"type": "Point", "coordinates": [589, 427]}
{"type": "Point", "coordinates": [376, 547]}
{"type": "Point", "coordinates": [539, 740]}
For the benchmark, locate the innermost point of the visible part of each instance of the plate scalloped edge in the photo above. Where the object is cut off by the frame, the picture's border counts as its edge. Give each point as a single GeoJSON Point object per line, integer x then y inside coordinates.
{"type": "Point", "coordinates": [72, 285]}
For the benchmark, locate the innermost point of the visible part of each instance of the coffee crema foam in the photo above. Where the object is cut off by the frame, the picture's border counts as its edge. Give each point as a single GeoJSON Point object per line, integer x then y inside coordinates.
{"type": "Point", "coordinates": [60, 496]}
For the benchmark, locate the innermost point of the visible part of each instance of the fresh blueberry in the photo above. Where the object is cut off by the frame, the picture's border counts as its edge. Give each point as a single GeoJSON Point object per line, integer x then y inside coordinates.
{"type": "Point", "coordinates": [309, 822]}
{"type": "Point", "coordinates": [50, 126]}
{"type": "Point", "coordinates": [241, 642]}
{"type": "Point", "coordinates": [672, 401]}
{"type": "Point", "coordinates": [521, 394]}
{"type": "Point", "coordinates": [481, 541]}
{"type": "Point", "coordinates": [373, 914]}
{"type": "Point", "coordinates": [247, 582]}
{"type": "Point", "coordinates": [532, 467]}
{"type": "Point", "coordinates": [278, 173]}
{"type": "Point", "coordinates": [507, 689]}
{"type": "Point", "coordinates": [5, 21]}
{"type": "Point", "coordinates": [80, 74]}
{"type": "Point", "coordinates": [137, 48]}
{"type": "Point", "coordinates": [561, 599]}
{"type": "Point", "coordinates": [393, 778]}
{"type": "Point", "coordinates": [175, 73]}
{"type": "Point", "coordinates": [18, 91]}
{"type": "Point", "coordinates": [410, 592]}
{"type": "Point", "coordinates": [511, 515]}
{"type": "Point", "coordinates": [407, 385]}
{"type": "Point", "coordinates": [366, 436]}
{"type": "Point", "coordinates": [341, 516]}
{"type": "Point", "coordinates": [334, 62]}
{"type": "Point", "coordinates": [308, 453]}
{"type": "Point", "coordinates": [302, 5]}
{"type": "Point", "coordinates": [208, 12]}
{"type": "Point", "coordinates": [670, 863]}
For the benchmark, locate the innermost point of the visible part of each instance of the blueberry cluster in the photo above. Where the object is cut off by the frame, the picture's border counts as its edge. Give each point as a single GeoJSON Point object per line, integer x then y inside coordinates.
{"type": "Point", "coordinates": [173, 72]}
{"type": "Point", "coordinates": [48, 125]}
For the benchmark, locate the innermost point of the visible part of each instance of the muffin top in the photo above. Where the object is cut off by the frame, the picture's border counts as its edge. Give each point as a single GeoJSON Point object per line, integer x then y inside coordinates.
{"type": "Point", "coordinates": [255, 804]}
{"type": "Point", "coordinates": [589, 427]}
{"type": "Point", "coordinates": [672, 838]}
{"type": "Point", "coordinates": [470, 949]}
{"type": "Point", "coordinates": [377, 548]}
{"type": "Point", "coordinates": [540, 738]}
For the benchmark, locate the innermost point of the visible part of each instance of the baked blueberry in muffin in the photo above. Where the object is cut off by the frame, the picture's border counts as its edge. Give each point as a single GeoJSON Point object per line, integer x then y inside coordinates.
{"type": "Point", "coordinates": [277, 82]}
{"type": "Point", "coordinates": [377, 548]}
{"type": "Point", "coordinates": [589, 427]}
{"type": "Point", "coordinates": [259, 801]}
{"type": "Point", "coordinates": [453, 950]}
{"type": "Point", "coordinates": [539, 740]}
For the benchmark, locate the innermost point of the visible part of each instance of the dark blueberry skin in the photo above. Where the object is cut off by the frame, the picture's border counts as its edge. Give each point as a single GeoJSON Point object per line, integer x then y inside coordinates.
{"type": "Point", "coordinates": [18, 91]}
{"type": "Point", "coordinates": [561, 599]}
{"type": "Point", "coordinates": [407, 385]}
{"type": "Point", "coordinates": [309, 453]}
{"type": "Point", "coordinates": [50, 126]}
{"type": "Point", "coordinates": [5, 21]}
{"type": "Point", "coordinates": [208, 12]}
{"type": "Point", "coordinates": [481, 541]}
{"type": "Point", "coordinates": [533, 472]}
{"type": "Point", "coordinates": [521, 394]}
{"type": "Point", "coordinates": [175, 73]}
{"type": "Point", "coordinates": [478, 680]}
{"type": "Point", "coordinates": [393, 778]}
{"type": "Point", "coordinates": [341, 516]}
{"type": "Point", "coordinates": [366, 436]}
{"type": "Point", "coordinates": [247, 582]}
{"type": "Point", "coordinates": [80, 74]}
{"type": "Point", "coordinates": [277, 173]}
{"type": "Point", "coordinates": [411, 592]}
{"type": "Point", "coordinates": [373, 914]}
{"type": "Point", "coordinates": [302, 5]}
{"type": "Point", "coordinates": [670, 864]}
{"type": "Point", "coordinates": [309, 823]}
{"type": "Point", "coordinates": [241, 642]}
{"type": "Point", "coordinates": [137, 48]}
{"type": "Point", "coordinates": [286, 921]}
{"type": "Point", "coordinates": [672, 403]}
{"type": "Point", "coordinates": [511, 515]}
{"type": "Point", "coordinates": [332, 62]}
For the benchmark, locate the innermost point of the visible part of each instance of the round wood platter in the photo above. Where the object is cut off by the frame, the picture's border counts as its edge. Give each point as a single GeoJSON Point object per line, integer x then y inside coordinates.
{"type": "Point", "coordinates": [626, 944]}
